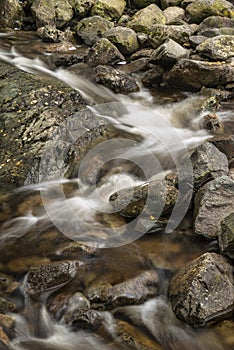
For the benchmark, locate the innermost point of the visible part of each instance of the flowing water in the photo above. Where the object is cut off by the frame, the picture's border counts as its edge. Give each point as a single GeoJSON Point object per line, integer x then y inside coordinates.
{"type": "Point", "coordinates": [160, 140]}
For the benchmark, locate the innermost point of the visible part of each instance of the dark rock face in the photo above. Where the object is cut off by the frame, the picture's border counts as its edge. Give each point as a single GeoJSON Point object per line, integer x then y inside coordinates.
{"type": "Point", "coordinates": [11, 14]}
{"type": "Point", "coordinates": [213, 202]}
{"type": "Point", "coordinates": [203, 291]}
{"type": "Point", "coordinates": [226, 237]}
{"type": "Point", "coordinates": [104, 295]}
{"type": "Point", "coordinates": [115, 80]}
{"type": "Point", "coordinates": [6, 306]}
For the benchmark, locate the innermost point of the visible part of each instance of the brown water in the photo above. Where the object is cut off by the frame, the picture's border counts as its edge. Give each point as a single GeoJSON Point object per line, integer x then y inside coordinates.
{"type": "Point", "coordinates": [38, 220]}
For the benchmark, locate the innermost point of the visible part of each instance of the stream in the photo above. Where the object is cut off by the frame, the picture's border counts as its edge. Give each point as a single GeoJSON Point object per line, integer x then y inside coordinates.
{"type": "Point", "coordinates": [155, 139]}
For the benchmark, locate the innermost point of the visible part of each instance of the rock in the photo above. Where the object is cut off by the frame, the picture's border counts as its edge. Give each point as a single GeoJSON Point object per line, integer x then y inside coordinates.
{"type": "Point", "coordinates": [199, 74]}
{"type": "Point", "coordinates": [152, 77]}
{"type": "Point", "coordinates": [76, 250]}
{"type": "Point", "coordinates": [50, 277]}
{"type": "Point", "coordinates": [131, 336]}
{"type": "Point", "coordinates": [90, 29]}
{"type": "Point", "coordinates": [136, 66]}
{"type": "Point", "coordinates": [11, 14]}
{"type": "Point", "coordinates": [208, 163]}
{"type": "Point", "coordinates": [226, 145]}
{"type": "Point", "coordinates": [115, 80]}
{"type": "Point", "coordinates": [174, 14]}
{"type": "Point", "coordinates": [146, 18]}
{"type": "Point", "coordinates": [226, 236]}
{"type": "Point", "coordinates": [169, 53]}
{"type": "Point", "coordinates": [155, 198]}
{"type": "Point", "coordinates": [214, 22]}
{"type": "Point", "coordinates": [4, 340]}
{"type": "Point", "coordinates": [210, 33]}
{"type": "Point", "coordinates": [105, 296]}
{"type": "Point", "coordinates": [51, 34]}
{"type": "Point", "coordinates": [125, 39]}
{"type": "Point", "coordinates": [84, 319]}
{"type": "Point", "coordinates": [143, 3]}
{"type": "Point", "coordinates": [111, 10]}
{"type": "Point", "coordinates": [104, 52]}
{"type": "Point", "coordinates": [198, 10]}
{"type": "Point", "coordinates": [7, 321]}
{"type": "Point", "coordinates": [196, 40]}
{"type": "Point", "coordinates": [7, 306]}
{"type": "Point", "coordinates": [179, 33]}
{"type": "Point", "coordinates": [81, 7]}
{"type": "Point", "coordinates": [218, 48]}
{"type": "Point", "coordinates": [142, 53]}
{"type": "Point", "coordinates": [169, 3]}
{"type": "Point", "coordinates": [213, 202]}
{"type": "Point", "coordinates": [225, 330]}
{"type": "Point", "coordinates": [203, 290]}
{"type": "Point", "coordinates": [52, 12]}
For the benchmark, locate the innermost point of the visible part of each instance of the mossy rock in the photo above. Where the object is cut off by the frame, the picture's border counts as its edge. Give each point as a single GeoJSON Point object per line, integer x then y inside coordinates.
{"type": "Point", "coordinates": [125, 39]}
{"type": "Point", "coordinates": [110, 10]}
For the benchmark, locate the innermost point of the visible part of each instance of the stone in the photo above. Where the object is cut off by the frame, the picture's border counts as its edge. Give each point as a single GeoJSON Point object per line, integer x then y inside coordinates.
{"type": "Point", "coordinates": [208, 163]}
{"type": "Point", "coordinates": [156, 198]}
{"type": "Point", "coordinates": [91, 29]}
{"type": "Point", "coordinates": [76, 250]}
{"type": "Point", "coordinates": [212, 32]}
{"type": "Point", "coordinates": [169, 3]}
{"type": "Point", "coordinates": [146, 18]}
{"type": "Point", "coordinates": [219, 48]}
{"type": "Point", "coordinates": [52, 12]}
{"type": "Point", "coordinates": [169, 53]}
{"type": "Point", "coordinates": [50, 277]}
{"type": "Point", "coordinates": [214, 22]}
{"type": "Point", "coordinates": [136, 66]}
{"type": "Point", "coordinates": [192, 75]}
{"type": "Point", "coordinates": [11, 14]}
{"type": "Point", "coordinates": [105, 296]}
{"type": "Point", "coordinates": [115, 80]}
{"type": "Point", "coordinates": [4, 340]}
{"type": "Point", "coordinates": [51, 34]}
{"type": "Point", "coordinates": [7, 306]}
{"type": "Point", "coordinates": [213, 202]}
{"type": "Point", "coordinates": [111, 10]}
{"type": "Point", "coordinates": [81, 7]}
{"type": "Point", "coordinates": [203, 290]}
{"type": "Point", "coordinates": [143, 3]}
{"type": "Point", "coordinates": [83, 319]}
{"type": "Point", "coordinates": [104, 52]}
{"type": "Point", "coordinates": [226, 236]}
{"type": "Point", "coordinates": [179, 33]}
{"type": "Point", "coordinates": [125, 39]}
{"type": "Point", "coordinates": [152, 77]}
{"type": "Point", "coordinates": [225, 330]}
{"type": "Point", "coordinates": [226, 145]}
{"type": "Point", "coordinates": [198, 10]}
{"type": "Point", "coordinates": [174, 14]}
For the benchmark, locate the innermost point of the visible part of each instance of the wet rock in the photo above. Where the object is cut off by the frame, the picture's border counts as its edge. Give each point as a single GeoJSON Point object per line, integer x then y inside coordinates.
{"type": "Point", "coordinates": [213, 202]}
{"type": "Point", "coordinates": [226, 236]}
{"type": "Point", "coordinates": [81, 7]}
{"type": "Point", "coordinates": [125, 39]}
{"type": "Point", "coordinates": [174, 14]}
{"type": "Point", "coordinates": [51, 34]}
{"type": "Point", "coordinates": [142, 53]}
{"type": "Point", "coordinates": [130, 335]}
{"type": "Point", "coordinates": [104, 52]}
{"type": "Point", "coordinates": [203, 290]}
{"type": "Point", "coordinates": [226, 145]}
{"type": "Point", "coordinates": [50, 12]}
{"type": "Point", "coordinates": [220, 47]}
{"type": "Point", "coordinates": [115, 80]}
{"type": "Point", "coordinates": [169, 53]}
{"type": "Point", "coordinates": [11, 14]}
{"type": "Point", "coordinates": [179, 33]}
{"type": "Point", "coordinates": [146, 18]}
{"type": "Point", "coordinates": [103, 295]}
{"type": "Point", "coordinates": [4, 340]}
{"type": "Point", "coordinates": [49, 277]}
{"type": "Point", "coordinates": [76, 250]}
{"type": "Point", "coordinates": [90, 29]}
{"type": "Point", "coordinates": [169, 3]}
{"type": "Point", "coordinates": [198, 10]}
{"type": "Point", "coordinates": [199, 74]}
{"type": "Point", "coordinates": [7, 321]}
{"type": "Point", "coordinates": [6, 306]}
{"type": "Point", "coordinates": [111, 10]}
{"type": "Point", "coordinates": [152, 77]}
{"type": "Point", "coordinates": [156, 198]}
{"type": "Point", "coordinates": [225, 330]}
{"type": "Point", "coordinates": [208, 163]}
{"type": "Point", "coordinates": [136, 66]}
{"type": "Point", "coordinates": [85, 319]}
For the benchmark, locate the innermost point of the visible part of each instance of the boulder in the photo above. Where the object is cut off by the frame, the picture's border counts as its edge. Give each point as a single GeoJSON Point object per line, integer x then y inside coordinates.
{"type": "Point", "coordinates": [169, 3]}
{"type": "Point", "coordinates": [226, 145]}
{"type": "Point", "coordinates": [90, 29]}
{"type": "Point", "coordinates": [110, 10]}
{"type": "Point", "coordinates": [174, 14]}
{"type": "Point", "coordinates": [11, 14]}
{"type": "Point", "coordinates": [215, 22]}
{"type": "Point", "coordinates": [125, 39]}
{"type": "Point", "coordinates": [220, 47]}
{"type": "Point", "coordinates": [203, 290]}
{"type": "Point", "coordinates": [104, 52]}
{"type": "Point", "coordinates": [51, 34]}
{"type": "Point", "coordinates": [213, 202]}
{"type": "Point", "coordinates": [226, 236]}
{"type": "Point", "coordinates": [52, 12]}
{"type": "Point", "coordinates": [198, 10]}
{"type": "Point", "coordinates": [192, 75]}
{"type": "Point", "coordinates": [208, 163]}
{"type": "Point", "coordinates": [145, 19]}
{"type": "Point", "coordinates": [81, 7]}
{"type": "Point", "coordinates": [115, 80]}
{"type": "Point", "coordinates": [169, 53]}
{"type": "Point", "coordinates": [152, 77]}
{"type": "Point", "coordinates": [179, 33]}
{"type": "Point", "coordinates": [6, 306]}
{"type": "Point", "coordinates": [210, 33]}
{"type": "Point", "coordinates": [136, 66]}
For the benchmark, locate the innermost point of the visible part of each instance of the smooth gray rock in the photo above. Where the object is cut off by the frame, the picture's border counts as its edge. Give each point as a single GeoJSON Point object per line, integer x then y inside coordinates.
{"type": "Point", "coordinates": [203, 290]}
{"type": "Point", "coordinates": [169, 53]}
{"type": "Point", "coordinates": [226, 236]}
{"type": "Point", "coordinates": [174, 14]}
{"type": "Point", "coordinates": [213, 202]}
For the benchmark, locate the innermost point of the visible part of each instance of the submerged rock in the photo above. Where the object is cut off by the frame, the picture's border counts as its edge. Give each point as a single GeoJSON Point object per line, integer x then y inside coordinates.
{"type": "Point", "coordinates": [203, 291]}
{"type": "Point", "coordinates": [11, 14]}
{"type": "Point", "coordinates": [115, 80]}
{"type": "Point", "coordinates": [220, 47]}
{"type": "Point", "coordinates": [213, 202]}
{"type": "Point", "coordinates": [226, 236]}
{"type": "Point", "coordinates": [125, 39]}
{"type": "Point", "coordinates": [111, 10]}
{"type": "Point", "coordinates": [104, 52]}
